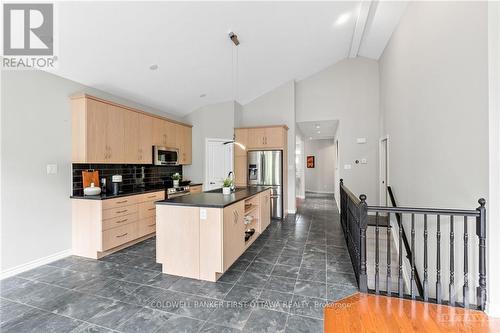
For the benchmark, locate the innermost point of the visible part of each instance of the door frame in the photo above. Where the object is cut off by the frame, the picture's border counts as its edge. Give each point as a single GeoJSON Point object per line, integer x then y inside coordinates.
{"type": "Point", "coordinates": [383, 191]}
{"type": "Point", "coordinates": [207, 141]}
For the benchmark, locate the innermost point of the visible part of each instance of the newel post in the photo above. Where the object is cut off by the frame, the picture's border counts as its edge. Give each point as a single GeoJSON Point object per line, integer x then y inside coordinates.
{"type": "Point", "coordinates": [481, 233]}
{"type": "Point", "coordinates": [363, 224]}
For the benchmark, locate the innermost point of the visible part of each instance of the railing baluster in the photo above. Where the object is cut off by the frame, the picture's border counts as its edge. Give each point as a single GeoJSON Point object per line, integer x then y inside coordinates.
{"type": "Point", "coordinates": [388, 280]}
{"type": "Point", "coordinates": [438, 261]}
{"type": "Point", "coordinates": [363, 224]}
{"type": "Point", "coordinates": [481, 233]}
{"type": "Point", "coordinates": [400, 271]}
{"type": "Point", "coordinates": [426, 280]}
{"type": "Point", "coordinates": [377, 288]}
{"type": "Point", "coordinates": [466, 264]}
{"type": "Point", "coordinates": [452, 262]}
{"type": "Point", "coordinates": [412, 283]}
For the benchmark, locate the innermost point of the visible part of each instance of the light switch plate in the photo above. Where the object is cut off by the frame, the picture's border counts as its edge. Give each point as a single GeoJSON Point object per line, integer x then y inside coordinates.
{"type": "Point", "coordinates": [364, 161]}
{"type": "Point", "coordinates": [347, 166]}
{"type": "Point", "coordinates": [203, 214]}
{"type": "Point", "coordinates": [51, 169]}
{"type": "Point", "coordinates": [361, 140]}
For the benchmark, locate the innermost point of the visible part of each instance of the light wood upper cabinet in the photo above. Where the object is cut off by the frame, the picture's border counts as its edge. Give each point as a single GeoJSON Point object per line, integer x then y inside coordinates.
{"type": "Point", "coordinates": [164, 133]}
{"type": "Point", "coordinates": [145, 139]}
{"type": "Point", "coordinates": [105, 132]}
{"type": "Point", "coordinates": [256, 138]}
{"type": "Point", "coordinates": [241, 137]}
{"type": "Point", "coordinates": [184, 143]}
{"type": "Point", "coordinates": [95, 148]}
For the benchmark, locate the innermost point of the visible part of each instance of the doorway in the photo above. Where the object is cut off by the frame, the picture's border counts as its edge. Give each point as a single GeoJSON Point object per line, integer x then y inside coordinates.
{"type": "Point", "coordinates": [218, 162]}
{"type": "Point", "coordinates": [384, 171]}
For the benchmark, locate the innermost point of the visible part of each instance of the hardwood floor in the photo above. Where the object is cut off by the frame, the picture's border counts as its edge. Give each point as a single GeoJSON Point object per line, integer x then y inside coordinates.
{"type": "Point", "coordinates": [370, 313]}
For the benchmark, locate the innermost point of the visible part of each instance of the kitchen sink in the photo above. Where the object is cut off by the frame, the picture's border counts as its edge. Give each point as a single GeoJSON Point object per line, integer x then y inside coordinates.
{"type": "Point", "coordinates": [219, 190]}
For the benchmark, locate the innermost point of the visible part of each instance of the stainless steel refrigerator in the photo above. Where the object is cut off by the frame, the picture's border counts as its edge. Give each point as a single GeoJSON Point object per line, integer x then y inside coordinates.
{"type": "Point", "coordinates": [265, 167]}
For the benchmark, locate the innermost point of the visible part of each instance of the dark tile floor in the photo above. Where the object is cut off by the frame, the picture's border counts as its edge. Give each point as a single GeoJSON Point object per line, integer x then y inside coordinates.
{"type": "Point", "coordinates": [279, 285]}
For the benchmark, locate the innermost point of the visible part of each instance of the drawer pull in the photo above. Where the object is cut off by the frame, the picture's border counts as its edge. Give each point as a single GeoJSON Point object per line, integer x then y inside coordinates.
{"type": "Point", "coordinates": [152, 208]}
{"type": "Point", "coordinates": [152, 196]}
{"type": "Point", "coordinates": [121, 221]}
{"type": "Point", "coordinates": [122, 211]}
{"type": "Point", "coordinates": [120, 236]}
{"type": "Point", "coordinates": [120, 202]}
{"type": "Point", "coordinates": [151, 225]}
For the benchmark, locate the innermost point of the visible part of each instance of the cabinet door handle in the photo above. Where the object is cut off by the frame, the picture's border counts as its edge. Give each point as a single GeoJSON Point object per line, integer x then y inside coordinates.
{"type": "Point", "coordinates": [121, 221]}
{"type": "Point", "coordinates": [151, 225]}
{"type": "Point", "coordinates": [151, 196]}
{"type": "Point", "coordinates": [152, 208]}
{"type": "Point", "coordinates": [122, 211]}
{"type": "Point", "coordinates": [123, 201]}
{"type": "Point", "coordinates": [123, 235]}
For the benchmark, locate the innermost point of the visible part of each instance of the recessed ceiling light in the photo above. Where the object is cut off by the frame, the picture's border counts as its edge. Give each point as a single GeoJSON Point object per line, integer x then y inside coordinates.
{"type": "Point", "coordinates": [319, 132]}
{"type": "Point", "coordinates": [310, 138]}
{"type": "Point", "coordinates": [153, 67]}
{"type": "Point", "coordinates": [203, 95]}
{"type": "Point", "coordinates": [343, 18]}
{"type": "Point", "coordinates": [317, 126]}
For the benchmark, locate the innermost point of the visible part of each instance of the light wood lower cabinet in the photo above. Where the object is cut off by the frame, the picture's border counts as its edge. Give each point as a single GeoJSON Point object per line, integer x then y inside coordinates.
{"type": "Point", "coordinates": [101, 227]}
{"type": "Point", "coordinates": [202, 243]}
{"type": "Point", "coordinates": [234, 234]}
{"type": "Point", "coordinates": [195, 189]}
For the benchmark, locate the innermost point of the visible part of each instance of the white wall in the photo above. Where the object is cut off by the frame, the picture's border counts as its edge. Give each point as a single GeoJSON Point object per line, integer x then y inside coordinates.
{"type": "Point", "coordinates": [493, 245]}
{"type": "Point", "coordinates": [276, 108]}
{"type": "Point", "coordinates": [320, 178]}
{"type": "Point", "coordinates": [36, 131]}
{"type": "Point", "coordinates": [300, 181]}
{"type": "Point", "coordinates": [216, 121]}
{"type": "Point", "coordinates": [349, 92]}
{"type": "Point", "coordinates": [434, 104]}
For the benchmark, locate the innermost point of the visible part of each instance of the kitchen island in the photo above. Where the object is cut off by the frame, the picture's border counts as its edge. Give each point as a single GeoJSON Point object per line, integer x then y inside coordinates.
{"type": "Point", "coordinates": [201, 235]}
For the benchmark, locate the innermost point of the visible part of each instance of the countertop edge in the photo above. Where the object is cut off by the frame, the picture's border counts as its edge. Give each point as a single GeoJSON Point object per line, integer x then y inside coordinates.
{"type": "Point", "coordinates": [183, 204]}
{"type": "Point", "coordinates": [99, 197]}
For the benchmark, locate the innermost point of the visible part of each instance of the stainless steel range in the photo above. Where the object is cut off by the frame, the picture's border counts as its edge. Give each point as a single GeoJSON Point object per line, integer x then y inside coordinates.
{"type": "Point", "coordinates": [179, 191]}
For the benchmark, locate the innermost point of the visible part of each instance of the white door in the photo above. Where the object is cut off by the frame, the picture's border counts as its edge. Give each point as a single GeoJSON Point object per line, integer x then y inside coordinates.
{"type": "Point", "coordinates": [218, 162]}
{"type": "Point", "coordinates": [384, 175]}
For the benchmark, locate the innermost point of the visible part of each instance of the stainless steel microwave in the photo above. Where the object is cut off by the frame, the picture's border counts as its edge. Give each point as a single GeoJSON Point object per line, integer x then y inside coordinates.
{"type": "Point", "coordinates": [165, 156]}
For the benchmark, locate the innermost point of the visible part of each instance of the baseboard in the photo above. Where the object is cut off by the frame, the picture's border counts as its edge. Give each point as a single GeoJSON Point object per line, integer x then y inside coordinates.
{"type": "Point", "coordinates": [34, 264]}
{"type": "Point", "coordinates": [320, 192]}
{"type": "Point", "coordinates": [292, 211]}
{"type": "Point", "coordinates": [301, 196]}
{"type": "Point", "coordinates": [493, 309]}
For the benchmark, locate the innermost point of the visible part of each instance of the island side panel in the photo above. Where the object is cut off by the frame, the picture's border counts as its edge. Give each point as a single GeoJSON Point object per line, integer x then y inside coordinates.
{"type": "Point", "coordinates": [211, 244]}
{"type": "Point", "coordinates": [178, 240]}
{"type": "Point", "coordinates": [86, 228]}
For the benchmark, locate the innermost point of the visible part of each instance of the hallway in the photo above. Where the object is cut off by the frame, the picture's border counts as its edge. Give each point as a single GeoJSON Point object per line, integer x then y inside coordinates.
{"type": "Point", "coordinates": [281, 283]}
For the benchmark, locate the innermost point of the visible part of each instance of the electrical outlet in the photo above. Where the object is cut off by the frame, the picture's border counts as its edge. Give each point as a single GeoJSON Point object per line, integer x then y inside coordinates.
{"type": "Point", "coordinates": [347, 167]}
{"type": "Point", "coordinates": [203, 214]}
{"type": "Point", "coordinates": [364, 161]}
{"type": "Point", "coordinates": [51, 169]}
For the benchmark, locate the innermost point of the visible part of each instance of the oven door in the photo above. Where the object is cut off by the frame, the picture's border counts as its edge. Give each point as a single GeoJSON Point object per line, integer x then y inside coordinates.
{"type": "Point", "coordinates": [165, 156]}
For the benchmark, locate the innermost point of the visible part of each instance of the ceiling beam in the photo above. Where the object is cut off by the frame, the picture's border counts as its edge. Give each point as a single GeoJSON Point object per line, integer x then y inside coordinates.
{"type": "Point", "coordinates": [359, 29]}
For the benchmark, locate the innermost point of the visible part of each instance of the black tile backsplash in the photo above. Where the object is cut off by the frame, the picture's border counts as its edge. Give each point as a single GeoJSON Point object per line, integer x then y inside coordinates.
{"type": "Point", "coordinates": [134, 175]}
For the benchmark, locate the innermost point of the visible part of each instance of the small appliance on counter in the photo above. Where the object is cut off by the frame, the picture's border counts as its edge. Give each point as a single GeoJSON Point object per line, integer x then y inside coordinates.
{"type": "Point", "coordinates": [92, 190]}
{"type": "Point", "coordinates": [116, 181]}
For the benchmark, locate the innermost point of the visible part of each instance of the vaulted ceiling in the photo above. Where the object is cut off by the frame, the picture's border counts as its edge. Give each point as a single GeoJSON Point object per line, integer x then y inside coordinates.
{"type": "Point", "coordinates": [111, 46]}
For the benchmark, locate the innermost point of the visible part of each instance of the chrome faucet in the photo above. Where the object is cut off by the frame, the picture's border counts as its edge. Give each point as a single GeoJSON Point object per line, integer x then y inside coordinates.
{"type": "Point", "coordinates": [230, 175]}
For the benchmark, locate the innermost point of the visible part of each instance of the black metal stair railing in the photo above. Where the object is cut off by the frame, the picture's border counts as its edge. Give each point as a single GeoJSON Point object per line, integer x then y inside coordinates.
{"type": "Point", "coordinates": [354, 220]}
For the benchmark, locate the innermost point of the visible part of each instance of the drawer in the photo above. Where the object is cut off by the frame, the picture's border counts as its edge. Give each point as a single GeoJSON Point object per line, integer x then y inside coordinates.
{"type": "Point", "coordinates": [147, 209]}
{"type": "Point", "coordinates": [120, 235]}
{"type": "Point", "coordinates": [147, 226]}
{"type": "Point", "coordinates": [154, 196]}
{"type": "Point", "coordinates": [119, 202]}
{"type": "Point", "coordinates": [119, 221]}
{"type": "Point", "coordinates": [119, 211]}
{"type": "Point", "coordinates": [195, 189]}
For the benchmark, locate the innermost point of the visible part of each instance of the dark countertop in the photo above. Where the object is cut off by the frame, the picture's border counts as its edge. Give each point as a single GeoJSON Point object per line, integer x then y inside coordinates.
{"type": "Point", "coordinates": [213, 199]}
{"type": "Point", "coordinates": [104, 196]}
